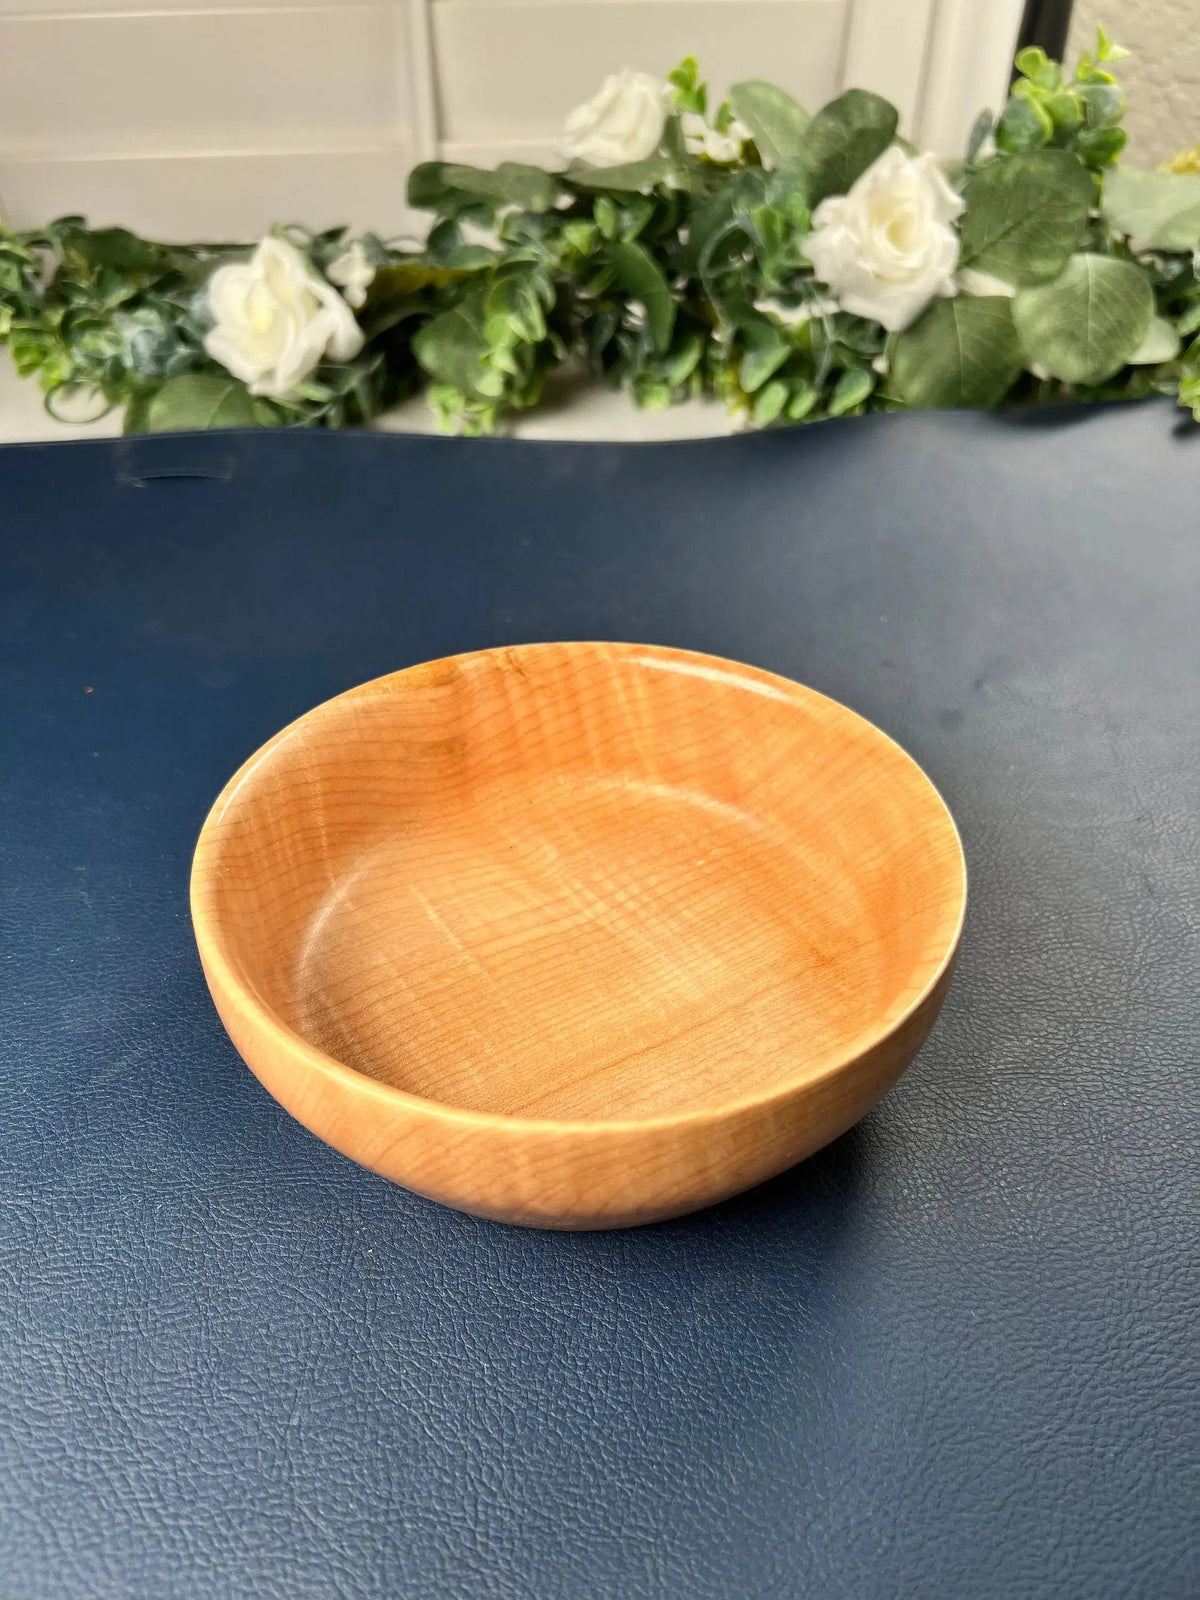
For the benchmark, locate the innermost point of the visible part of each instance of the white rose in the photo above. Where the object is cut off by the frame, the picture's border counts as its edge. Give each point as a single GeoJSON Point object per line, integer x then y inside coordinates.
{"type": "Point", "coordinates": [352, 273]}
{"type": "Point", "coordinates": [276, 319]}
{"type": "Point", "coordinates": [623, 123]}
{"type": "Point", "coordinates": [887, 247]}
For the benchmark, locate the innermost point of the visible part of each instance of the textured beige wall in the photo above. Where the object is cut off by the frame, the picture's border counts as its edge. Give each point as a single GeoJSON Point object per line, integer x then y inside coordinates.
{"type": "Point", "coordinates": [1161, 79]}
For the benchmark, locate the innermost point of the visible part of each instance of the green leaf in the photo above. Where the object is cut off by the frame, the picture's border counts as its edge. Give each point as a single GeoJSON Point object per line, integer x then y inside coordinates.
{"type": "Point", "coordinates": [1103, 104]}
{"type": "Point", "coordinates": [683, 359]}
{"type": "Point", "coordinates": [448, 250]}
{"type": "Point", "coordinates": [1161, 343]}
{"type": "Point", "coordinates": [843, 139]}
{"type": "Point", "coordinates": [1100, 147]}
{"type": "Point", "coordinates": [634, 214]}
{"type": "Point", "coordinates": [452, 188]}
{"type": "Point", "coordinates": [512, 183]}
{"type": "Point", "coordinates": [804, 397]}
{"type": "Point", "coordinates": [686, 74]}
{"type": "Point", "coordinates": [1088, 322]}
{"type": "Point", "coordinates": [1161, 208]}
{"type": "Point", "coordinates": [765, 352]}
{"type": "Point", "coordinates": [137, 412]}
{"type": "Point", "coordinates": [690, 93]}
{"type": "Point", "coordinates": [1031, 61]}
{"type": "Point", "coordinates": [116, 248]}
{"type": "Point", "coordinates": [1025, 215]}
{"type": "Point", "coordinates": [1065, 112]}
{"type": "Point", "coordinates": [1025, 124]}
{"type": "Point", "coordinates": [960, 352]}
{"type": "Point", "coordinates": [684, 169]}
{"type": "Point", "coordinates": [851, 389]}
{"type": "Point", "coordinates": [776, 121]}
{"type": "Point", "coordinates": [642, 278]}
{"type": "Point", "coordinates": [451, 346]}
{"type": "Point", "coordinates": [199, 400]}
{"type": "Point", "coordinates": [705, 222]}
{"type": "Point", "coordinates": [630, 175]}
{"type": "Point", "coordinates": [428, 190]}
{"type": "Point", "coordinates": [514, 306]}
{"type": "Point", "coordinates": [722, 272]}
{"type": "Point", "coordinates": [652, 394]}
{"type": "Point", "coordinates": [768, 403]}
{"type": "Point", "coordinates": [980, 129]}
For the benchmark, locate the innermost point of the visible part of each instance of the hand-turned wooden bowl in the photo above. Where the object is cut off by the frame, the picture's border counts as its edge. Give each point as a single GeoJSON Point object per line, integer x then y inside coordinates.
{"type": "Point", "coordinates": [578, 935]}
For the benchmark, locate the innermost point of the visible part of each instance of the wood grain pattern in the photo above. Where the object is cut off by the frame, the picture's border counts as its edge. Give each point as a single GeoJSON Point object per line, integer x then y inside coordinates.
{"type": "Point", "coordinates": [578, 935]}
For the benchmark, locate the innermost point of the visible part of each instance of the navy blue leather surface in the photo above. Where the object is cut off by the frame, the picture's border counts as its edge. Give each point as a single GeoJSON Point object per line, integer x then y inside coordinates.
{"type": "Point", "coordinates": [953, 1357]}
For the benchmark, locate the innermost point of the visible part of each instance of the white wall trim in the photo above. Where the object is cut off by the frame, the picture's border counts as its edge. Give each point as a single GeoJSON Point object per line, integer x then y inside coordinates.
{"type": "Point", "coordinates": [184, 117]}
{"type": "Point", "coordinates": [970, 63]}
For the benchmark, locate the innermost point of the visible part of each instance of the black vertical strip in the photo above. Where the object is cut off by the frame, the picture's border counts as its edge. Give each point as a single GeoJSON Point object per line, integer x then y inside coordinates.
{"type": "Point", "coordinates": [1046, 22]}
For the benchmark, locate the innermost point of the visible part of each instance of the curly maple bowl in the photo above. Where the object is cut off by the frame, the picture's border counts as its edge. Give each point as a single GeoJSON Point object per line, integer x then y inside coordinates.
{"type": "Point", "coordinates": [578, 935]}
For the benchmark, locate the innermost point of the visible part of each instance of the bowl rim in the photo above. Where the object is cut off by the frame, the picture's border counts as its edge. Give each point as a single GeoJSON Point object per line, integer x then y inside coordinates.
{"type": "Point", "coordinates": [222, 975]}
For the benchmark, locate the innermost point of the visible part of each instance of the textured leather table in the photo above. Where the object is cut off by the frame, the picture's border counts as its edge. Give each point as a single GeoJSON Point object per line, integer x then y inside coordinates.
{"type": "Point", "coordinates": [954, 1357]}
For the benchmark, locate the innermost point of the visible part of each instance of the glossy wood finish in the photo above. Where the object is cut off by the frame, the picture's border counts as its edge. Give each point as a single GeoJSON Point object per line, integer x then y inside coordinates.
{"type": "Point", "coordinates": [578, 935]}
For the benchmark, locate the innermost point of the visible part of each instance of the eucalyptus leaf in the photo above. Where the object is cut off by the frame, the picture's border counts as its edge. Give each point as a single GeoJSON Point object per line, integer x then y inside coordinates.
{"type": "Point", "coordinates": [768, 403]}
{"type": "Point", "coordinates": [683, 359]}
{"type": "Point", "coordinates": [1161, 343]}
{"type": "Point", "coordinates": [454, 189]}
{"type": "Point", "coordinates": [428, 190]}
{"type": "Point", "coordinates": [723, 273]}
{"type": "Point", "coordinates": [116, 248]}
{"type": "Point", "coordinates": [960, 352]}
{"type": "Point", "coordinates": [446, 248]}
{"type": "Point", "coordinates": [1100, 147]}
{"type": "Point", "coordinates": [775, 120]}
{"type": "Point", "coordinates": [1025, 215]}
{"type": "Point", "coordinates": [199, 400]}
{"type": "Point", "coordinates": [451, 346]}
{"type": "Point", "coordinates": [804, 397]}
{"type": "Point", "coordinates": [1161, 208]}
{"type": "Point", "coordinates": [683, 169]}
{"type": "Point", "coordinates": [851, 389]}
{"type": "Point", "coordinates": [137, 412]}
{"type": "Point", "coordinates": [765, 352]}
{"type": "Point", "coordinates": [705, 222]}
{"type": "Point", "coordinates": [1024, 125]}
{"type": "Point", "coordinates": [981, 128]}
{"type": "Point", "coordinates": [642, 277]}
{"type": "Point", "coordinates": [843, 139]}
{"type": "Point", "coordinates": [511, 183]}
{"type": "Point", "coordinates": [1103, 104]}
{"type": "Point", "coordinates": [1087, 323]}
{"type": "Point", "coordinates": [629, 176]}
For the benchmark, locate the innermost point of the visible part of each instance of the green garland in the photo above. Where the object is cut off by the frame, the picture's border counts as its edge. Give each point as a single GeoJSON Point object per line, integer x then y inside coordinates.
{"type": "Point", "coordinates": [685, 272]}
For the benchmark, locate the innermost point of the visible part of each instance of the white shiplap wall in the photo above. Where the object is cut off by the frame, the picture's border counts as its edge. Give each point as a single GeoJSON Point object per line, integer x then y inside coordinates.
{"type": "Point", "coordinates": [188, 120]}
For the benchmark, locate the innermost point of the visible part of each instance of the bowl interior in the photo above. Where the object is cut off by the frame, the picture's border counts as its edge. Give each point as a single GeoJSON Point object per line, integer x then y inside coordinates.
{"type": "Point", "coordinates": [582, 881]}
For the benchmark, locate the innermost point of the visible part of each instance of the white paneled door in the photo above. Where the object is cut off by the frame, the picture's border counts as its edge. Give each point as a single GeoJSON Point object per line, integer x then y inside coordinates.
{"type": "Point", "coordinates": [187, 120]}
